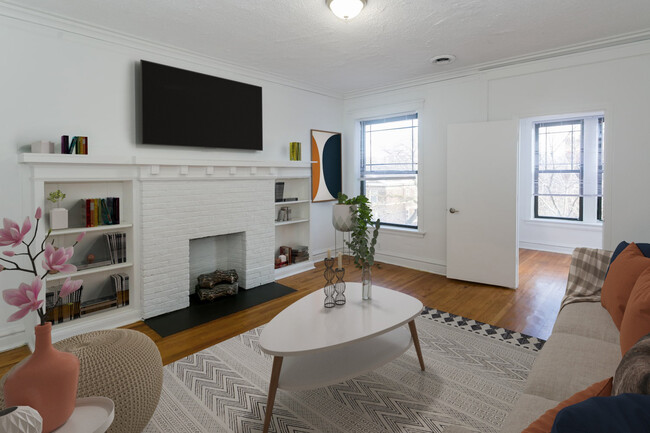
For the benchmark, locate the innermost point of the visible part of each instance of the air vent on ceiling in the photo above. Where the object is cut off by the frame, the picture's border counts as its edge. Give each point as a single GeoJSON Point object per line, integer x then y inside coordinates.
{"type": "Point", "coordinates": [444, 59]}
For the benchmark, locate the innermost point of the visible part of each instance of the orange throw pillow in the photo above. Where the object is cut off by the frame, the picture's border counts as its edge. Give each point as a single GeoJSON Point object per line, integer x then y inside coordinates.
{"type": "Point", "coordinates": [621, 277]}
{"type": "Point", "coordinates": [544, 423]}
{"type": "Point", "coordinates": [636, 320]}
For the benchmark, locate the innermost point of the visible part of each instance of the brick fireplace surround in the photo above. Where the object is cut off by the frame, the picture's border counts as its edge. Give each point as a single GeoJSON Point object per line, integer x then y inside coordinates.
{"type": "Point", "coordinates": [176, 211]}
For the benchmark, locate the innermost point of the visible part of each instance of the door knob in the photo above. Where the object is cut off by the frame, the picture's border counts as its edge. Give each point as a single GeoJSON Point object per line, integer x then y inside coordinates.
{"type": "Point", "coordinates": [452, 210]}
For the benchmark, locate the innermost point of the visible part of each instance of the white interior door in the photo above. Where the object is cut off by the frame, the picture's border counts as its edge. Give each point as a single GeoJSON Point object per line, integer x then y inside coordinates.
{"type": "Point", "coordinates": [482, 244]}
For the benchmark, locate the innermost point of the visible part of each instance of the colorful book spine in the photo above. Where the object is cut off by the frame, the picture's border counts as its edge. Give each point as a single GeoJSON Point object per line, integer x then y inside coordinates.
{"type": "Point", "coordinates": [65, 143]}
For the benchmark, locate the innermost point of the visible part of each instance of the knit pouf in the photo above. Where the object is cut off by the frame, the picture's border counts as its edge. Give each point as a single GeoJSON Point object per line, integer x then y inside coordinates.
{"type": "Point", "coordinates": [123, 365]}
{"type": "Point", "coordinates": [120, 364]}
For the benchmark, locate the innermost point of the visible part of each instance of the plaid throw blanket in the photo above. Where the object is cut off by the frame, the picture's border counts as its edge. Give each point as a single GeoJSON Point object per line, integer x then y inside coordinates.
{"type": "Point", "coordinates": [586, 275]}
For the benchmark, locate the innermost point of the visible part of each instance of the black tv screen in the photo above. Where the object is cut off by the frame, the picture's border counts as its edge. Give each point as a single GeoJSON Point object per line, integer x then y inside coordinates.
{"type": "Point", "coordinates": [184, 108]}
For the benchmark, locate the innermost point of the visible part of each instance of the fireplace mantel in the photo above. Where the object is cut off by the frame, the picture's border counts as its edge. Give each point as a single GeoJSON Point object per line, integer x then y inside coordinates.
{"type": "Point", "coordinates": [168, 168]}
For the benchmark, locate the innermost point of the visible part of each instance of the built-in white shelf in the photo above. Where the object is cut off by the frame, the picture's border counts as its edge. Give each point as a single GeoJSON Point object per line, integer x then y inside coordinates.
{"type": "Point", "coordinates": [284, 223]}
{"type": "Point", "coordinates": [105, 319]}
{"type": "Point", "coordinates": [77, 230]}
{"type": "Point", "coordinates": [294, 268]}
{"type": "Point", "coordinates": [90, 271]}
{"type": "Point", "coordinates": [280, 203]}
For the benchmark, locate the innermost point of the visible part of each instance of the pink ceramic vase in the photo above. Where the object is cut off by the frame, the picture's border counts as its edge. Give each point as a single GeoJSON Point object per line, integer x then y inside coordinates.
{"type": "Point", "coordinates": [46, 381]}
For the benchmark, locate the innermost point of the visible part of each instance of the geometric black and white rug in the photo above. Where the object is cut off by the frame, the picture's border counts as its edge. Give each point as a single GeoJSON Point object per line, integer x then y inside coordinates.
{"type": "Point", "coordinates": [474, 374]}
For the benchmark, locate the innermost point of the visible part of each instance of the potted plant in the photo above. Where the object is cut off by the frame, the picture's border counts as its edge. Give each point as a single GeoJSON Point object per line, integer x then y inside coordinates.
{"type": "Point", "coordinates": [342, 214]}
{"type": "Point", "coordinates": [47, 379]}
{"type": "Point", "coordinates": [363, 238]}
{"type": "Point", "coordinates": [58, 215]}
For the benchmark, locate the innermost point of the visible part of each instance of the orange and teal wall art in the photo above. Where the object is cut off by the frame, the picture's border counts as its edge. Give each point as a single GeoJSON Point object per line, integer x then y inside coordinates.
{"type": "Point", "coordinates": [326, 165]}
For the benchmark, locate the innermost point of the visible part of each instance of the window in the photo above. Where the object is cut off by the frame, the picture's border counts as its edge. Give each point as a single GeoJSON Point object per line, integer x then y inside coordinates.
{"type": "Point", "coordinates": [389, 169]}
{"type": "Point", "coordinates": [568, 169]}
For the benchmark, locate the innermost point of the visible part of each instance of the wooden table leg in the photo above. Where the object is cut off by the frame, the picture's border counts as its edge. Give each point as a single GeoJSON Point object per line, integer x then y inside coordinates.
{"type": "Point", "coordinates": [416, 343]}
{"type": "Point", "coordinates": [273, 387]}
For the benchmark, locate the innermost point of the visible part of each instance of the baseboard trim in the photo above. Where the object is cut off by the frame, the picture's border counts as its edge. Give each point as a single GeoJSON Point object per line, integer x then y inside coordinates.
{"type": "Point", "coordinates": [413, 263]}
{"type": "Point", "coordinates": [561, 249]}
{"type": "Point", "coordinates": [12, 337]}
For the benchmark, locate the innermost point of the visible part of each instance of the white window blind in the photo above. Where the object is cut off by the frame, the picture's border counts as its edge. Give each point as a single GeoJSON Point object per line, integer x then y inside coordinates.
{"type": "Point", "coordinates": [389, 168]}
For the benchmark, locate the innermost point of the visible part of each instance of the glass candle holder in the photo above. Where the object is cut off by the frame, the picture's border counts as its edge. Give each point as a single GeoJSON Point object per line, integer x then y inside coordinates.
{"type": "Point", "coordinates": [329, 288]}
{"type": "Point", "coordinates": [339, 287]}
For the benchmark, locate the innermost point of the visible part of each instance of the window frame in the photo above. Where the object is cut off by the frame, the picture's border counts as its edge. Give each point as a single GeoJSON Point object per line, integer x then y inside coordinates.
{"type": "Point", "coordinates": [537, 171]}
{"type": "Point", "coordinates": [601, 168]}
{"type": "Point", "coordinates": [390, 174]}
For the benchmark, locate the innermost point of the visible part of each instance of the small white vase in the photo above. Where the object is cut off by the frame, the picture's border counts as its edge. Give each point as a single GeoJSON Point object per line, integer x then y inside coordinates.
{"type": "Point", "coordinates": [342, 219]}
{"type": "Point", "coordinates": [20, 419]}
{"type": "Point", "coordinates": [58, 218]}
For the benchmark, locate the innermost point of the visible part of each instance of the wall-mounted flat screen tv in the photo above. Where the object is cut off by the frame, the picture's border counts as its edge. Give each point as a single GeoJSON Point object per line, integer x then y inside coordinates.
{"type": "Point", "coordinates": [184, 108]}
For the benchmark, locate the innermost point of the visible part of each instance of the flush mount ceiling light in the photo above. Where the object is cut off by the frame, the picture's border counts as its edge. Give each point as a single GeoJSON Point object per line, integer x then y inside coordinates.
{"type": "Point", "coordinates": [444, 59]}
{"type": "Point", "coordinates": [346, 9]}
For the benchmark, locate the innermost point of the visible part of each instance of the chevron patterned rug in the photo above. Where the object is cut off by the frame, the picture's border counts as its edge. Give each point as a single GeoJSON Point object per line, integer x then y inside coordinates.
{"type": "Point", "coordinates": [475, 373]}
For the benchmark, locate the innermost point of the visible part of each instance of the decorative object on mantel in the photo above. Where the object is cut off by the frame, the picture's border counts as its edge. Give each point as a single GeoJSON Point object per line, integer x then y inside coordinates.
{"type": "Point", "coordinates": [339, 287]}
{"type": "Point", "coordinates": [43, 146]}
{"type": "Point", "coordinates": [363, 240]}
{"type": "Point", "coordinates": [58, 215]}
{"type": "Point", "coordinates": [217, 284]}
{"type": "Point", "coordinates": [326, 165]}
{"type": "Point", "coordinates": [47, 379]}
{"type": "Point", "coordinates": [295, 151]}
{"type": "Point", "coordinates": [76, 146]}
{"type": "Point", "coordinates": [20, 419]}
{"type": "Point", "coordinates": [329, 275]}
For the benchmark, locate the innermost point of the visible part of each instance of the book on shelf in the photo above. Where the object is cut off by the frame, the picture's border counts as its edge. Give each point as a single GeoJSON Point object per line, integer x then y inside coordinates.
{"type": "Point", "coordinates": [279, 191]}
{"type": "Point", "coordinates": [116, 243]}
{"type": "Point", "coordinates": [101, 211]}
{"type": "Point", "coordinates": [98, 304]}
{"type": "Point", "coordinates": [65, 143]}
{"type": "Point", "coordinates": [121, 286]}
{"type": "Point", "coordinates": [68, 309]}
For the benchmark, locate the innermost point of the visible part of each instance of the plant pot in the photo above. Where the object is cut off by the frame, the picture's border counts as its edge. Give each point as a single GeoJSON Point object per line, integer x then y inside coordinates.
{"type": "Point", "coordinates": [46, 381]}
{"type": "Point", "coordinates": [58, 218]}
{"type": "Point", "coordinates": [342, 217]}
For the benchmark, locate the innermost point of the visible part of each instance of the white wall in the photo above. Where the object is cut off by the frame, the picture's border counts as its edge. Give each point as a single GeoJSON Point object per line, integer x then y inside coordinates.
{"type": "Point", "coordinates": [61, 78]}
{"type": "Point", "coordinates": [613, 80]}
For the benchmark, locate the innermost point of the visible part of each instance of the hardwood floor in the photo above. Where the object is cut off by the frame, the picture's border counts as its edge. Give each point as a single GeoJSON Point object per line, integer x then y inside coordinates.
{"type": "Point", "coordinates": [531, 309]}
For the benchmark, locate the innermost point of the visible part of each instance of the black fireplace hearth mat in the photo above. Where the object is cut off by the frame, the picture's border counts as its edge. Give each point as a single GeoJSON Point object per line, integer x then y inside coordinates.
{"type": "Point", "coordinates": [199, 313]}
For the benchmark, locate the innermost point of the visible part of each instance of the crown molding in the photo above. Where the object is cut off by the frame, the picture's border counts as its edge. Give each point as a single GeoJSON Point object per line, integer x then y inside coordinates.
{"type": "Point", "coordinates": [60, 23]}
{"type": "Point", "coordinates": [599, 45]}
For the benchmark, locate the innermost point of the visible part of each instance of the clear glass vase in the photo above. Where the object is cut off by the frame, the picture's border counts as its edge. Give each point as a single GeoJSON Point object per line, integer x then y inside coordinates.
{"type": "Point", "coordinates": [366, 282]}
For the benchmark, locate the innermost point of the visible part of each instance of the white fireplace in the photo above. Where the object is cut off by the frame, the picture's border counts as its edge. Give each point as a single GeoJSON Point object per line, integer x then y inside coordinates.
{"type": "Point", "coordinates": [176, 211]}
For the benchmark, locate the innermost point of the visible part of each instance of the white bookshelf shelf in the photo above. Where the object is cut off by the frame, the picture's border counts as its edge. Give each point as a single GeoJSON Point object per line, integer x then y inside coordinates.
{"type": "Point", "coordinates": [97, 270]}
{"type": "Point", "coordinates": [284, 223]}
{"type": "Point", "coordinates": [77, 230]}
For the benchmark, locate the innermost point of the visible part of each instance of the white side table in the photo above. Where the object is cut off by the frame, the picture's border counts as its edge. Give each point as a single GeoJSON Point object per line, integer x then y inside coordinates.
{"type": "Point", "coordinates": [91, 415]}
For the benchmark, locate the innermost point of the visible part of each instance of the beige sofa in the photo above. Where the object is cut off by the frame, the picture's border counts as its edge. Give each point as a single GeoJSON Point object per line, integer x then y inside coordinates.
{"type": "Point", "coordinates": [582, 349]}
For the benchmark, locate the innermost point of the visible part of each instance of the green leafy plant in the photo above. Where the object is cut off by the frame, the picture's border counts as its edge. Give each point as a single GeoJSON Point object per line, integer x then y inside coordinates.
{"type": "Point", "coordinates": [56, 196]}
{"type": "Point", "coordinates": [363, 238]}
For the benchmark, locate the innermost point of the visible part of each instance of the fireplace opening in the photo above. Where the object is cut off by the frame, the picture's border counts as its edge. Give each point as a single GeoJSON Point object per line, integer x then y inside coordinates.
{"type": "Point", "coordinates": [218, 253]}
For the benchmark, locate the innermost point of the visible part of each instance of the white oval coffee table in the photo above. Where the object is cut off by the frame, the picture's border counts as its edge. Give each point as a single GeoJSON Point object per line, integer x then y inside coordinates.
{"type": "Point", "coordinates": [314, 346]}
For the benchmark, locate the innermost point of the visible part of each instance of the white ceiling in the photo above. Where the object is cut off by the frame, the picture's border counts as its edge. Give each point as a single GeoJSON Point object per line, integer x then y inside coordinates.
{"type": "Point", "coordinates": [389, 42]}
